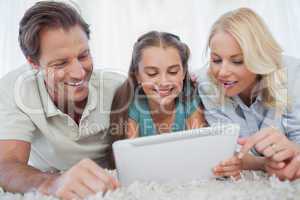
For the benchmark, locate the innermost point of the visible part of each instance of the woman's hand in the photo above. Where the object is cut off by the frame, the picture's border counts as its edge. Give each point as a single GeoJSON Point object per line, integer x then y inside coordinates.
{"type": "Point", "coordinates": [231, 167]}
{"type": "Point", "coordinates": [271, 143]}
{"type": "Point", "coordinates": [288, 170]}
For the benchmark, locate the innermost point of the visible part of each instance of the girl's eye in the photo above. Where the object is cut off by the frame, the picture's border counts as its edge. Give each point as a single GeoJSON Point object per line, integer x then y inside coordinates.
{"type": "Point", "coordinates": [151, 74]}
{"type": "Point", "coordinates": [173, 73]}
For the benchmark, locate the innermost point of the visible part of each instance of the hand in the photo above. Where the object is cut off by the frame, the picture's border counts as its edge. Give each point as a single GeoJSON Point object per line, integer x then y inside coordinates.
{"type": "Point", "coordinates": [230, 167]}
{"type": "Point", "coordinates": [84, 179]}
{"type": "Point", "coordinates": [194, 80]}
{"type": "Point", "coordinates": [288, 170]}
{"type": "Point", "coordinates": [271, 143]}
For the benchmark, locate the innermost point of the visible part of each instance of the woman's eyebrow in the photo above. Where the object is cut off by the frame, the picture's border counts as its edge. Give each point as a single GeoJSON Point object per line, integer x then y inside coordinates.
{"type": "Point", "coordinates": [236, 55]}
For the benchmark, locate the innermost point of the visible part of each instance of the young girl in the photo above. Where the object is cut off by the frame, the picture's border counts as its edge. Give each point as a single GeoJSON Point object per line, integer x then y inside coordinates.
{"type": "Point", "coordinates": [158, 96]}
{"type": "Point", "coordinates": [247, 78]}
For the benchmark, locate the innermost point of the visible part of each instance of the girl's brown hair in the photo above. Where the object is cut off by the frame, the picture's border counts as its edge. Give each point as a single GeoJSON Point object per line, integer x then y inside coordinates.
{"type": "Point", "coordinates": [125, 93]}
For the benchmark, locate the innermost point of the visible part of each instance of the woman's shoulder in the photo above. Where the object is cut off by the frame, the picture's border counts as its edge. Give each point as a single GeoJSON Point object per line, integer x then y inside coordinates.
{"type": "Point", "coordinates": [291, 66]}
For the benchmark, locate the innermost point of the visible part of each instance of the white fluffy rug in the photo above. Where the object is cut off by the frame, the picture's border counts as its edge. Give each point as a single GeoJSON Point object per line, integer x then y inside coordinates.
{"type": "Point", "coordinates": [252, 186]}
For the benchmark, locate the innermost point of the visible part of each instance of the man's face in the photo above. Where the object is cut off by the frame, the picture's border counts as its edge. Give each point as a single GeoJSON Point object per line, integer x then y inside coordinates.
{"type": "Point", "coordinates": [66, 62]}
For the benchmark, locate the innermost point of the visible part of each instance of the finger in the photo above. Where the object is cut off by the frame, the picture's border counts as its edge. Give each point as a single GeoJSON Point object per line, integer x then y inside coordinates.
{"type": "Point", "coordinates": [251, 141]}
{"type": "Point", "coordinates": [270, 170]}
{"type": "Point", "coordinates": [228, 168]}
{"type": "Point", "coordinates": [193, 77]}
{"type": "Point", "coordinates": [298, 174]}
{"type": "Point", "coordinates": [292, 168]}
{"type": "Point", "coordinates": [94, 183]}
{"type": "Point", "coordinates": [70, 196]}
{"type": "Point", "coordinates": [264, 143]}
{"type": "Point", "coordinates": [283, 155]}
{"type": "Point", "coordinates": [109, 181]}
{"type": "Point", "coordinates": [242, 141]}
{"type": "Point", "coordinates": [231, 161]}
{"type": "Point", "coordinates": [229, 173]}
{"type": "Point", "coordinates": [275, 165]}
{"type": "Point", "coordinates": [268, 152]}
{"type": "Point", "coordinates": [81, 190]}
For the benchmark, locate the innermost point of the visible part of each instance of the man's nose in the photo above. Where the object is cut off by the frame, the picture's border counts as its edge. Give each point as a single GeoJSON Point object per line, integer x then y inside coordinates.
{"type": "Point", "coordinates": [77, 71]}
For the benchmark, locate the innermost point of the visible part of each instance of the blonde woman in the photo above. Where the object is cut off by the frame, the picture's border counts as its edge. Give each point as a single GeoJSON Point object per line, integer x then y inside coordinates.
{"type": "Point", "coordinates": [249, 82]}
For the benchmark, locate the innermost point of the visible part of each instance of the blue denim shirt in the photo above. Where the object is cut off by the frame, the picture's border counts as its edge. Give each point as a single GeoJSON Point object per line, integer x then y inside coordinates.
{"type": "Point", "coordinates": [257, 116]}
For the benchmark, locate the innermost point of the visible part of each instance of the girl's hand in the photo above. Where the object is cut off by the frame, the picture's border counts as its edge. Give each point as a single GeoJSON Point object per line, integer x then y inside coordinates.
{"type": "Point", "coordinates": [230, 167]}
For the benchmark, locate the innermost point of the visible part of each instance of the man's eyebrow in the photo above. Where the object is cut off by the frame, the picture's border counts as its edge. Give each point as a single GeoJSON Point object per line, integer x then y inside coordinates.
{"type": "Point", "coordinates": [56, 60]}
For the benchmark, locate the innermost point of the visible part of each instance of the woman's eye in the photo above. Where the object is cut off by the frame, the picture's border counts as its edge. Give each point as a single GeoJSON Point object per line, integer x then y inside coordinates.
{"type": "Point", "coordinates": [240, 62]}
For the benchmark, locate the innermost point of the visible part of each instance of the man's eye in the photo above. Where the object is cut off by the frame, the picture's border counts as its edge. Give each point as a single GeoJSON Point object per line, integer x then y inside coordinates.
{"type": "Point", "coordinates": [60, 65]}
{"type": "Point", "coordinates": [217, 61]}
{"type": "Point", "coordinates": [82, 57]}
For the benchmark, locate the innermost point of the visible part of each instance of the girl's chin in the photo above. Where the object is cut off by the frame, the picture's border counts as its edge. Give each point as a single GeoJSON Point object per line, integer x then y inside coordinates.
{"type": "Point", "coordinates": [165, 101]}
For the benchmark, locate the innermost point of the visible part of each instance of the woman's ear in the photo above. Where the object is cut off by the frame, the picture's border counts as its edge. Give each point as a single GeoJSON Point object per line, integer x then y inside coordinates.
{"type": "Point", "coordinates": [33, 63]}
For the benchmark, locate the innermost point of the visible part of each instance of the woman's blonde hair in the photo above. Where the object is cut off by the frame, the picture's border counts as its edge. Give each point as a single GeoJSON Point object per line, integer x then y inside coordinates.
{"type": "Point", "coordinates": [261, 53]}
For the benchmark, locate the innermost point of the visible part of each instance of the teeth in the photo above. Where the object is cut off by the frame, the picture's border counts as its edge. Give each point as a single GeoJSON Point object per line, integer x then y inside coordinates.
{"type": "Point", "coordinates": [75, 84]}
{"type": "Point", "coordinates": [229, 82]}
{"type": "Point", "coordinates": [164, 91]}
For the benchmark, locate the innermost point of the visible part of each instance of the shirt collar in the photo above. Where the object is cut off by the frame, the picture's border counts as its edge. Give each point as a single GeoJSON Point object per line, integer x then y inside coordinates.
{"type": "Point", "coordinates": [49, 107]}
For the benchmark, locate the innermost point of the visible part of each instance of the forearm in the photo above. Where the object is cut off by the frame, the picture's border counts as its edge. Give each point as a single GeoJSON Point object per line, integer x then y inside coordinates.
{"type": "Point", "coordinates": [251, 162]}
{"type": "Point", "coordinates": [19, 177]}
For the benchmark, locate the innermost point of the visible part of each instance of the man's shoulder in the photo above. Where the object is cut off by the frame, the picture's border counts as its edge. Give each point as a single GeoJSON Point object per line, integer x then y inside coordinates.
{"type": "Point", "coordinates": [11, 77]}
{"type": "Point", "coordinates": [19, 88]}
{"type": "Point", "coordinates": [22, 77]}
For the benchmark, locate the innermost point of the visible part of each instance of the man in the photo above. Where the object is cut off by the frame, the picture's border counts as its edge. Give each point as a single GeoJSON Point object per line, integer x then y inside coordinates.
{"type": "Point", "coordinates": [54, 113]}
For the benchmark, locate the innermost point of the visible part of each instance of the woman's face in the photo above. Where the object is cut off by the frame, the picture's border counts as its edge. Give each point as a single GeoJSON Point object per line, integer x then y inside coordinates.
{"type": "Point", "coordinates": [161, 74]}
{"type": "Point", "coordinates": [228, 68]}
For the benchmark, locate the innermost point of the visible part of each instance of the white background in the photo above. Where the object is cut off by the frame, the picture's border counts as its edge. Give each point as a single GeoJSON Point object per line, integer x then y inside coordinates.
{"type": "Point", "coordinates": [116, 24]}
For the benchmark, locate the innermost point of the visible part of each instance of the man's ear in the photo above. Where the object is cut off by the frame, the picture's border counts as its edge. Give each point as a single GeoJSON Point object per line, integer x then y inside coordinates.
{"type": "Point", "coordinates": [33, 63]}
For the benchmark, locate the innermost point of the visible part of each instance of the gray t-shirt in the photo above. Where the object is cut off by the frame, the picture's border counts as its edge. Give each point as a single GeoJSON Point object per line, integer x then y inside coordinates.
{"type": "Point", "coordinates": [27, 113]}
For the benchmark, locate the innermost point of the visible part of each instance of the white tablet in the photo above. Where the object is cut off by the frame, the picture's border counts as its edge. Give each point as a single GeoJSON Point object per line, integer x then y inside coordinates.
{"type": "Point", "coordinates": [179, 156]}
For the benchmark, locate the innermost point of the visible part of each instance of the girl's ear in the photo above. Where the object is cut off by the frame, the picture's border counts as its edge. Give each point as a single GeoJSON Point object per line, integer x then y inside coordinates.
{"type": "Point", "coordinates": [138, 78]}
{"type": "Point", "coordinates": [33, 64]}
{"type": "Point", "coordinates": [185, 71]}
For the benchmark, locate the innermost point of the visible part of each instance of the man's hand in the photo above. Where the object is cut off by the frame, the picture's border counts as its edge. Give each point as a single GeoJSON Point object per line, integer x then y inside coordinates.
{"type": "Point", "coordinates": [84, 179]}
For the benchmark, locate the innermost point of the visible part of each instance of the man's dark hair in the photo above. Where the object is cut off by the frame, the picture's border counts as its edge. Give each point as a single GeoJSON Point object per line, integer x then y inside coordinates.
{"type": "Point", "coordinates": [46, 14]}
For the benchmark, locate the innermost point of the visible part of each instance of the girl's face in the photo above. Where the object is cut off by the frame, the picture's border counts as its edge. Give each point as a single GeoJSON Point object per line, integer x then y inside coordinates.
{"type": "Point", "coordinates": [228, 68]}
{"type": "Point", "coordinates": [161, 74]}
